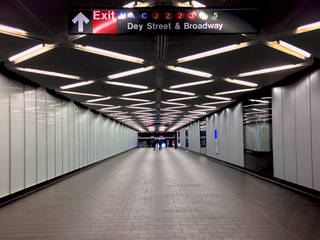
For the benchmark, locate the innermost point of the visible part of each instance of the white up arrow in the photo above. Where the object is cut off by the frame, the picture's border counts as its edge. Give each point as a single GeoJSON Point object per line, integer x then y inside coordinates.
{"type": "Point", "coordinates": [80, 18]}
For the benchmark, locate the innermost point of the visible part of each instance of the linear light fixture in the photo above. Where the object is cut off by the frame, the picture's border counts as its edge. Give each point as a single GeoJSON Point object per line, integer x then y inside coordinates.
{"type": "Point", "coordinates": [79, 84]}
{"type": "Point", "coordinates": [142, 104]}
{"type": "Point", "coordinates": [259, 110]}
{"type": "Point", "coordinates": [189, 71]}
{"type": "Point", "coordinates": [82, 94]}
{"type": "Point", "coordinates": [308, 27]}
{"type": "Point", "coordinates": [191, 84]}
{"type": "Point", "coordinates": [216, 103]}
{"type": "Point", "coordinates": [122, 84]}
{"type": "Point", "coordinates": [130, 72]}
{"type": "Point", "coordinates": [259, 101]}
{"type": "Point", "coordinates": [179, 92]}
{"type": "Point", "coordinates": [272, 69]}
{"type": "Point", "coordinates": [109, 108]}
{"type": "Point", "coordinates": [108, 53]}
{"type": "Point", "coordinates": [134, 99]}
{"type": "Point", "coordinates": [219, 98]}
{"type": "Point", "coordinates": [171, 108]}
{"type": "Point", "coordinates": [111, 111]}
{"type": "Point", "coordinates": [54, 74]}
{"type": "Point", "coordinates": [236, 91]}
{"type": "Point", "coordinates": [194, 4]}
{"type": "Point", "coordinates": [138, 107]}
{"type": "Point", "coordinates": [289, 49]}
{"type": "Point", "coordinates": [198, 112]}
{"type": "Point", "coordinates": [98, 104]}
{"type": "Point", "coordinates": [138, 93]}
{"type": "Point", "coordinates": [137, 4]}
{"type": "Point", "coordinates": [31, 52]}
{"type": "Point", "coordinates": [180, 99]}
{"type": "Point", "coordinates": [13, 31]}
{"type": "Point", "coordinates": [173, 103]}
{"type": "Point", "coordinates": [206, 107]}
{"type": "Point", "coordinates": [144, 111]}
{"type": "Point", "coordinates": [213, 52]}
{"type": "Point", "coordinates": [241, 82]}
{"type": "Point", "coordinates": [98, 99]}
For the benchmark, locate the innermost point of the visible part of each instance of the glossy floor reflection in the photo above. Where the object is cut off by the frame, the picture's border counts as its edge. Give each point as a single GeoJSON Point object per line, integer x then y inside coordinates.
{"type": "Point", "coordinates": [168, 194]}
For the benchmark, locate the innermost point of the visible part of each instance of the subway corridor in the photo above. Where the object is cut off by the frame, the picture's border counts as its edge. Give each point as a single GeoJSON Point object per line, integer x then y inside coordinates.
{"type": "Point", "coordinates": [168, 194]}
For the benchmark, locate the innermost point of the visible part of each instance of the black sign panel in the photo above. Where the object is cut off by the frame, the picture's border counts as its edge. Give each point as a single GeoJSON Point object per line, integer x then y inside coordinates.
{"type": "Point", "coordinates": [153, 21]}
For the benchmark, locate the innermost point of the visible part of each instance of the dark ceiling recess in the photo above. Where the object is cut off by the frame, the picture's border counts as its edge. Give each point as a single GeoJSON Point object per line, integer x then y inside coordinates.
{"type": "Point", "coordinates": [47, 21]}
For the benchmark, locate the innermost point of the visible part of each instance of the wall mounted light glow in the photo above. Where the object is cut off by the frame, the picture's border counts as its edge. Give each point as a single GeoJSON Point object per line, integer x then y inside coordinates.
{"type": "Point", "coordinates": [179, 92]}
{"type": "Point", "coordinates": [191, 84]}
{"type": "Point", "coordinates": [98, 99]}
{"type": "Point", "coordinates": [79, 84]}
{"type": "Point", "coordinates": [189, 71]}
{"type": "Point", "coordinates": [108, 53]}
{"type": "Point", "coordinates": [13, 31]}
{"type": "Point", "coordinates": [138, 93]}
{"type": "Point", "coordinates": [82, 94]}
{"type": "Point", "coordinates": [241, 82]}
{"type": "Point", "coordinates": [173, 103]}
{"type": "Point", "coordinates": [272, 69]}
{"type": "Point", "coordinates": [134, 99]}
{"type": "Point", "coordinates": [213, 52]}
{"type": "Point", "coordinates": [130, 72]}
{"type": "Point", "coordinates": [181, 99]}
{"type": "Point", "coordinates": [219, 98]}
{"type": "Point", "coordinates": [308, 27]}
{"type": "Point", "coordinates": [54, 74]}
{"type": "Point", "coordinates": [216, 103]}
{"type": "Point", "coordinates": [122, 84]}
{"type": "Point", "coordinates": [235, 91]}
{"type": "Point", "coordinates": [31, 52]}
{"type": "Point", "coordinates": [289, 49]}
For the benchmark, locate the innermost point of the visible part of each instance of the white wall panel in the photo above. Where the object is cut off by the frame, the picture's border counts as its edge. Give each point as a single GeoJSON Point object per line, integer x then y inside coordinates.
{"type": "Point", "coordinates": [71, 136]}
{"type": "Point", "coordinates": [65, 137]}
{"type": "Point", "coordinates": [59, 136]}
{"type": "Point", "coordinates": [17, 136]}
{"type": "Point", "coordinates": [51, 137]}
{"type": "Point", "coordinates": [76, 137]}
{"type": "Point", "coordinates": [30, 136]}
{"type": "Point", "coordinates": [5, 135]}
{"type": "Point", "coordinates": [194, 137]}
{"type": "Point", "coordinates": [315, 126]}
{"type": "Point", "coordinates": [41, 96]}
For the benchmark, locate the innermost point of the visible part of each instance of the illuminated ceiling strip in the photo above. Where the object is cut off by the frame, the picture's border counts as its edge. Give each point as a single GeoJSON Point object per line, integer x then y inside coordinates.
{"type": "Point", "coordinates": [194, 4]}
{"type": "Point", "coordinates": [179, 92]}
{"type": "Point", "coordinates": [130, 72]}
{"type": "Point", "coordinates": [13, 31]}
{"type": "Point", "coordinates": [177, 107]}
{"type": "Point", "coordinates": [144, 111]}
{"type": "Point", "coordinates": [289, 49]}
{"type": "Point", "coordinates": [136, 4]}
{"type": "Point", "coordinates": [134, 99]}
{"type": "Point", "coordinates": [272, 69]}
{"type": "Point", "coordinates": [189, 71]}
{"type": "Point", "coordinates": [206, 107]}
{"type": "Point", "coordinates": [308, 27]}
{"type": "Point", "coordinates": [80, 93]}
{"type": "Point", "coordinates": [191, 84]}
{"type": "Point", "coordinates": [98, 99]}
{"type": "Point", "coordinates": [122, 84]}
{"type": "Point", "coordinates": [108, 53]}
{"type": "Point", "coordinates": [236, 91]}
{"type": "Point", "coordinates": [54, 74]}
{"type": "Point", "coordinates": [180, 99]}
{"type": "Point", "coordinates": [215, 103]}
{"type": "Point", "coordinates": [198, 112]}
{"type": "Point", "coordinates": [137, 107]}
{"type": "Point", "coordinates": [173, 103]}
{"type": "Point", "coordinates": [98, 104]}
{"type": "Point", "coordinates": [213, 52]}
{"type": "Point", "coordinates": [79, 84]}
{"type": "Point", "coordinates": [109, 108]}
{"type": "Point", "coordinates": [138, 93]}
{"type": "Point", "coordinates": [241, 82]}
{"type": "Point", "coordinates": [142, 104]}
{"type": "Point", "coordinates": [219, 98]}
{"type": "Point", "coordinates": [31, 52]}
{"type": "Point", "coordinates": [259, 101]}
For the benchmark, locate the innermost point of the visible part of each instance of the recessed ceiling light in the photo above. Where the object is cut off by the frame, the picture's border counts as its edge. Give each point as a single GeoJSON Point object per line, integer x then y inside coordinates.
{"type": "Point", "coordinates": [213, 52]}
{"type": "Point", "coordinates": [31, 52]}
{"type": "Point", "coordinates": [241, 82]}
{"type": "Point", "coordinates": [122, 84]}
{"type": "Point", "coordinates": [189, 71]}
{"type": "Point", "coordinates": [191, 84]}
{"type": "Point", "coordinates": [272, 69]}
{"type": "Point", "coordinates": [130, 72]}
{"type": "Point", "coordinates": [108, 53]}
{"type": "Point", "coordinates": [138, 93]}
{"type": "Point", "coordinates": [80, 93]}
{"type": "Point", "coordinates": [98, 99]}
{"type": "Point", "coordinates": [54, 74]}
{"type": "Point", "coordinates": [289, 49]}
{"type": "Point", "coordinates": [218, 98]}
{"type": "Point", "coordinates": [134, 99]}
{"type": "Point", "coordinates": [308, 27]}
{"type": "Point", "coordinates": [236, 91]}
{"type": "Point", "coordinates": [173, 103]}
{"type": "Point", "coordinates": [180, 99]}
{"type": "Point", "coordinates": [13, 31]}
{"type": "Point", "coordinates": [79, 84]}
{"type": "Point", "coordinates": [179, 92]}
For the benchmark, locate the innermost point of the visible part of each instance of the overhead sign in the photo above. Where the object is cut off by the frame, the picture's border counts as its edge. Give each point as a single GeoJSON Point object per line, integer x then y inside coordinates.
{"type": "Point", "coordinates": [153, 21]}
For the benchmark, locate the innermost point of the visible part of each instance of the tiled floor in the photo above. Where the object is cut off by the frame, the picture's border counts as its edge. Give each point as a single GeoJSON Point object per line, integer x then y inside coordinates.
{"type": "Point", "coordinates": [172, 194]}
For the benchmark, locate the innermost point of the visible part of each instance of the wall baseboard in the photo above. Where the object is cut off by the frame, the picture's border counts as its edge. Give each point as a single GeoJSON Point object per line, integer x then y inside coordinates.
{"type": "Point", "coordinates": [37, 187]}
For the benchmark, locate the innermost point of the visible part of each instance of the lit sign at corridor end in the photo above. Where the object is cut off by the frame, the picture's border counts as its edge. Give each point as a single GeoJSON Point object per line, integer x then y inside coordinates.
{"type": "Point", "coordinates": [152, 21]}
